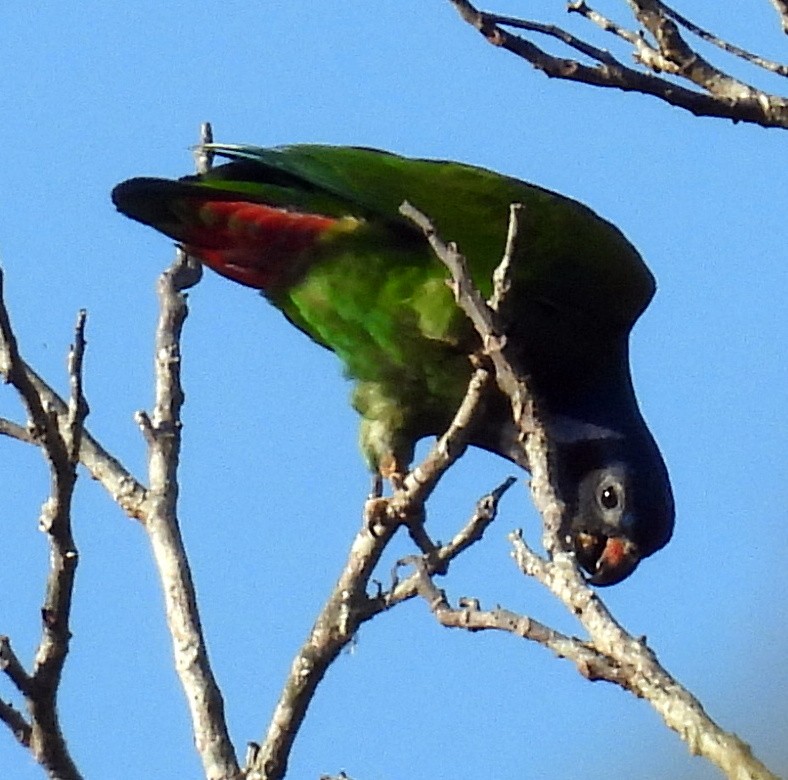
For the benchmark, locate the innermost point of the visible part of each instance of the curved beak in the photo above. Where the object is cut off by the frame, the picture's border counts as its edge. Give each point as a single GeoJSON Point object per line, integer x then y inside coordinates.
{"type": "Point", "coordinates": [618, 559]}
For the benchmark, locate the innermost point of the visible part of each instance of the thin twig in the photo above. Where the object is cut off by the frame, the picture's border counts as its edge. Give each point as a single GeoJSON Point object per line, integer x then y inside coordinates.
{"type": "Point", "coordinates": [676, 56]}
{"type": "Point", "coordinates": [12, 667]}
{"type": "Point", "coordinates": [12, 369]}
{"type": "Point", "coordinates": [592, 664]}
{"type": "Point", "coordinates": [645, 53]}
{"type": "Point", "coordinates": [15, 431]}
{"type": "Point", "coordinates": [334, 629]}
{"type": "Point", "coordinates": [78, 408]}
{"type": "Point", "coordinates": [502, 275]}
{"type": "Point", "coordinates": [16, 722]}
{"type": "Point", "coordinates": [553, 31]}
{"type": "Point", "coordinates": [438, 562]}
{"type": "Point", "coordinates": [637, 40]}
{"type": "Point", "coordinates": [122, 486]}
{"type": "Point", "coordinates": [755, 59]}
{"type": "Point", "coordinates": [55, 521]}
{"type": "Point", "coordinates": [422, 478]}
{"type": "Point", "coordinates": [484, 320]}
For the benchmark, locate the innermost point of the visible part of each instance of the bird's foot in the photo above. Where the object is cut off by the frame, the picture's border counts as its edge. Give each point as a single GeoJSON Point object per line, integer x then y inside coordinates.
{"type": "Point", "coordinates": [391, 469]}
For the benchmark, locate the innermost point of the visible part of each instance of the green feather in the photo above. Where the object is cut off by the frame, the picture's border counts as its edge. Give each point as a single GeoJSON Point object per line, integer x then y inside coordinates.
{"type": "Point", "coordinates": [318, 230]}
{"type": "Point", "coordinates": [373, 292]}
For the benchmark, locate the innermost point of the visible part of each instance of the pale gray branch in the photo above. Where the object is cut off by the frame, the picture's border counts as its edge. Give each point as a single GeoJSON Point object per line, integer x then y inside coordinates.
{"type": "Point", "coordinates": [59, 445]}
{"type": "Point", "coordinates": [349, 606]}
{"type": "Point", "coordinates": [122, 486]}
{"type": "Point", "coordinates": [676, 56]}
{"type": "Point", "coordinates": [16, 722]}
{"type": "Point", "coordinates": [639, 671]}
{"type": "Point", "coordinates": [162, 432]}
{"type": "Point", "coordinates": [333, 630]}
{"type": "Point", "coordinates": [781, 6]}
{"type": "Point", "coordinates": [15, 431]}
{"type": "Point", "coordinates": [612, 654]}
{"type": "Point", "coordinates": [592, 664]}
{"type": "Point", "coordinates": [438, 561]}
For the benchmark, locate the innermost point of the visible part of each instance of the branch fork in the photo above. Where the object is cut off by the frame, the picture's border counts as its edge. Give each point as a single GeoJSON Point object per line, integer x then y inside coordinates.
{"type": "Point", "coordinates": [57, 427]}
{"type": "Point", "coordinates": [659, 46]}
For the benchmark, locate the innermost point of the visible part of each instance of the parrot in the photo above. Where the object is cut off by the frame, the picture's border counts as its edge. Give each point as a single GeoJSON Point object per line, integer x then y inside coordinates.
{"type": "Point", "coordinates": [317, 230]}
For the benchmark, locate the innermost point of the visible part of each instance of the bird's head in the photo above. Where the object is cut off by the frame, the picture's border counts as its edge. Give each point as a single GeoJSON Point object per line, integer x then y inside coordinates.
{"type": "Point", "coordinates": [619, 505]}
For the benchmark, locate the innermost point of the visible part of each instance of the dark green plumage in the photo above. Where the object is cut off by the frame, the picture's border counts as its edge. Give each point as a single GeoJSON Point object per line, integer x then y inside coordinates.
{"type": "Point", "coordinates": [318, 230]}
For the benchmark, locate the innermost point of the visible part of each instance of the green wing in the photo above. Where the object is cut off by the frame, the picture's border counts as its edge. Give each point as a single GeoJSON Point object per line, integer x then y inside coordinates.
{"type": "Point", "coordinates": [568, 254]}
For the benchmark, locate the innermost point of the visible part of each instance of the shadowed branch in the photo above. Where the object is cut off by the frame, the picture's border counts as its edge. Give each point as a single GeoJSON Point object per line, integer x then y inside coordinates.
{"type": "Point", "coordinates": [658, 46]}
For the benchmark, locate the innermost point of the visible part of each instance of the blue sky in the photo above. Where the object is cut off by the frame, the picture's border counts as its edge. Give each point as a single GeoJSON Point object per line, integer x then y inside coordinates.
{"type": "Point", "coordinates": [272, 482]}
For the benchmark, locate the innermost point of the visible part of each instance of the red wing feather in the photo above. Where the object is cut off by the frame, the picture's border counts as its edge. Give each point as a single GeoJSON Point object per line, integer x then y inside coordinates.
{"type": "Point", "coordinates": [252, 243]}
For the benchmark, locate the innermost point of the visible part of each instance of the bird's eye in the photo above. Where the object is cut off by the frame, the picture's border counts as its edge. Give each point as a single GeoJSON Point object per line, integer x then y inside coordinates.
{"type": "Point", "coordinates": [609, 497]}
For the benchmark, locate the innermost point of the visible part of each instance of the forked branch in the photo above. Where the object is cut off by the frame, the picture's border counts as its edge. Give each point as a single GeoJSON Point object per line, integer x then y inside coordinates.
{"type": "Point", "coordinates": [658, 46]}
{"type": "Point", "coordinates": [610, 653]}
{"type": "Point", "coordinates": [60, 444]}
{"type": "Point", "coordinates": [349, 606]}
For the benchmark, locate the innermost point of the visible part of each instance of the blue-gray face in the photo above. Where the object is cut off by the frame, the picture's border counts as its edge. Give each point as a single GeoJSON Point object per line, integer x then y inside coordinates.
{"type": "Point", "coordinates": [620, 511]}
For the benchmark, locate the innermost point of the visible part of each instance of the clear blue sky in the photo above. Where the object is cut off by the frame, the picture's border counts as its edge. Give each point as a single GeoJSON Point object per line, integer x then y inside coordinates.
{"type": "Point", "coordinates": [272, 483]}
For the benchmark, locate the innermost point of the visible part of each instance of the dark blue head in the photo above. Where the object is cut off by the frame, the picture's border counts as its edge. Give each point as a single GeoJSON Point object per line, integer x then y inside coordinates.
{"type": "Point", "coordinates": [619, 503]}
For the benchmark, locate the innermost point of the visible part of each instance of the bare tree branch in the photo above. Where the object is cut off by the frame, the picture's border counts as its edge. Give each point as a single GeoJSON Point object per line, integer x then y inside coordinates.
{"type": "Point", "coordinates": [675, 56]}
{"type": "Point", "coordinates": [15, 431]}
{"type": "Point", "coordinates": [472, 532]}
{"type": "Point", "coordinates": [755, 59]}
{"type": "Point", "coordinates": [781, 6]}
{"type": "Point", "coordinates": [483, 316]}
{"type": "Point", "coordinates": [720, 95]}
{"type": "Point", "coordinates": [12, 667]}
{"type": "Point", "coordinates": [46, 740]}
{"type": "Point", "coordinates": [43, 735]}
{"type": "Point", "coordinates": [590, 663]}
{"type": "Point", "coordinates": [163, 435]}
{"type": "Point", "coordinates": [52, 420]}
{"type": "Point", "coordinates": [333, 630]}
{"type": "Point", "coordinates": [612, 654]}
{"type": "Point", "coordinates": [640, 672]}
{"type": "Point", "coordinates": [124, 489]}
{"type": "Point", "coordinates": [162, 431]}
{"type": "Point", "coordinates": [349, 606]}
{"type": "Point", "coordinates": [15, 721]}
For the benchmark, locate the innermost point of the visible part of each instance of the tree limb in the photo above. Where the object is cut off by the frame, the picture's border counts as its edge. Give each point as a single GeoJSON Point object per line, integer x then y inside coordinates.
{"type": "Point", "coordinates": [349, 606]}
{"type": "Point", "coordinates": [122, 486]}
{"type": "Point", "coordinates": [162, 432]}
{"type": "Point", "coordinates": [54, 420]}
{"type": "Point", "coordinates": [612, 654]}
{"type": "Point", "coordinates": [721, 95]}
{"type": "Point", "coordinates": [15, 431]}
{"type": "Point", "coordinates": [737, 51]}
{"type": "Point", "coordinates": [60, 446]}
{"type": "Point", "coordinates": [638, 670]}
{"type": "Point", "coordinates": [781, 6]}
